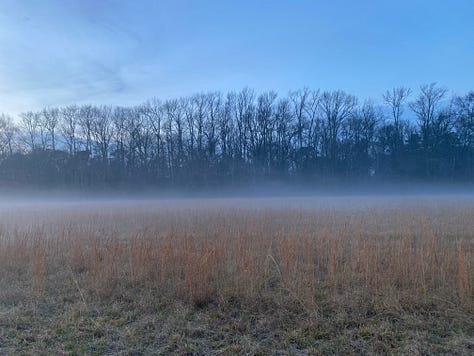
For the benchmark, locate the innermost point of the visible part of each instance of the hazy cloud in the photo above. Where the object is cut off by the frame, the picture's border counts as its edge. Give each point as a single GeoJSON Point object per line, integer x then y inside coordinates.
{"type": "Point", "coordinates": [109, 51]}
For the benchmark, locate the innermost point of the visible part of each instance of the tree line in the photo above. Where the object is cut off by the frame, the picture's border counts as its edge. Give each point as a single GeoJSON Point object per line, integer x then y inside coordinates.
{"type": "Point", "coordinates": [240, 137]}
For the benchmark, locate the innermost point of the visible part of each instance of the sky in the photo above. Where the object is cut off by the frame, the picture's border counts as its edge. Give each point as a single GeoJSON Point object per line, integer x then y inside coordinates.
{"type": "Point", "coordinates": [59, 52]}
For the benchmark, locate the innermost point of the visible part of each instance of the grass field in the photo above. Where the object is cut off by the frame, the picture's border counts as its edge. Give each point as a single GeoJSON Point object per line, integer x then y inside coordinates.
{"type": "Point", "coordinates": [258, 276]}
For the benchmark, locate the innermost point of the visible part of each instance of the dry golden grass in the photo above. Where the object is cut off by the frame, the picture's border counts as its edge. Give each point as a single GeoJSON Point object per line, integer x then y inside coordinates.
{"type": "Point", "coordinates": [304, 258]}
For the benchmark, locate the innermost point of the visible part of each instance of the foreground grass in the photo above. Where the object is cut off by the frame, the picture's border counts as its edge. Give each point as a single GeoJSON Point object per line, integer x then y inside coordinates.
{"type": "Point", "coordinates": [125, 326]}
{"type": "Point", "coordinates": [220, 280]}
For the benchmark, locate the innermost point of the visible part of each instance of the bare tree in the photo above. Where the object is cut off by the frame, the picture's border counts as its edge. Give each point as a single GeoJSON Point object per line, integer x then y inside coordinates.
{"type": "Point", "coordinates": [463, 111]}
{"type": "Point", "coordinates": [265, 125]}
{"type": "Point", "coordinates": [174, 134]}
{"type": "Point", "coordinates": [86, 118]}
{"type": "Point", "coordinates": [69, 116]}
{"type": "Point", "coordinates": [299, 100]}
{"type": "Point", "coordinates": [395, 99]}
{"type": "Point", "coordinates": [200, 104]}
{"type": "Point", "coordinates": [120, 116]}
{"type": "Point", "coordinates": [102, 130]}
{"type": "Point", "coordinates": [360, 137]}
{"type": "Point", "coordinates": [190, 115]}
{"type": "Point", "coordinates": [30, 122]}
{"type": "Point", "coordinates": [50, 121]}
{"type": "Point", "coordinates": [426, 106]}
{"type": "Point", "coordinates": [313, 119]}
{"type": "Point", "coordinates": [226, 126]}
{"type": "Point", "coordinates": [305, 121]}
{"type": "Point", "coordinates": [7, 133]}
{"type": "Point", "coordinates": [214, 112]}
{"type": "Point", "coordinates": [463, 114]}
{"type": "Point", "coordinates": [153, 110]}
{"type": "Point", "coordinates": [283, 118]}
{"type": "Point", "coordinates": [432, 121]}
{"type": "Point", "coordinates": [244, 116]}
{"type": "Point", "coordinates": [336, 107]}
{"type": "Point", "coordinates": [140, 138]}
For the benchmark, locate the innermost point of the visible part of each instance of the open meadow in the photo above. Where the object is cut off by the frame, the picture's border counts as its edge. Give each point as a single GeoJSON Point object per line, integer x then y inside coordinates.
{"type": "Point", "coordinates": [319, 275]}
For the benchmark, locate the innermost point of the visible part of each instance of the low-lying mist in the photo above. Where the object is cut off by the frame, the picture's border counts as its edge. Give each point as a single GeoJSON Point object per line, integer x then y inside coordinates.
{"type": "Point", "coordinates": [272, 194]}
{"type": "Point", "coordinates": [120, 212]}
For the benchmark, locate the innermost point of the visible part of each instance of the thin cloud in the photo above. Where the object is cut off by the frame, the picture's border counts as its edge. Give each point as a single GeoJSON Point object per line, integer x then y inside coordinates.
{"type": "Point", "coordinates": [63, 51]}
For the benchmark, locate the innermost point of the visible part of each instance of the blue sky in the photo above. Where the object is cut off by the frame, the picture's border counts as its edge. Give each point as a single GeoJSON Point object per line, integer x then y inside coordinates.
{"type": "Point", "coordinates": [59, 52]}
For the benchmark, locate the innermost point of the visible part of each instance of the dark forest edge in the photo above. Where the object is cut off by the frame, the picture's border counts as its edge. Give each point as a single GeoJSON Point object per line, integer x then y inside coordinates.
{"type": "Point", "coordinates": [309, 138]}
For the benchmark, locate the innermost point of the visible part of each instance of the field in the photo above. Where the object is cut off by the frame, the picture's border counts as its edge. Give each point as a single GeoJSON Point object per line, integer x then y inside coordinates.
{"type": "Point", "coordinates": [319, 275]}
